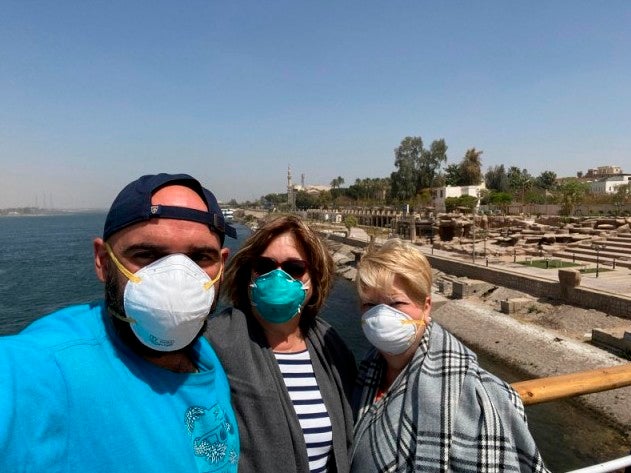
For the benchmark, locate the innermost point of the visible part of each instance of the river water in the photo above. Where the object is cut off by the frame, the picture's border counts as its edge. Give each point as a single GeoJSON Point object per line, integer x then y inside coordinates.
{"type": "Point", "coordinates": [46, 263]}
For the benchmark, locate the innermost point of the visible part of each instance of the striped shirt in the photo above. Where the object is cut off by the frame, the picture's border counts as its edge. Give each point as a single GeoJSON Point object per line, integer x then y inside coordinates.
{"type": "Point", "coordinates": [305, 395]}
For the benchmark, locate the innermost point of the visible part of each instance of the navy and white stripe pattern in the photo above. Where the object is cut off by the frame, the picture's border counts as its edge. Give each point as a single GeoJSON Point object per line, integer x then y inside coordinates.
{"type": "Point", "coordinates": [305, 395]}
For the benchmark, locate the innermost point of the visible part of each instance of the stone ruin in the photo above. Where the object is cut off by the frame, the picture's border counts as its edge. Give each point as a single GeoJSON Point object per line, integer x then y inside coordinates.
{"type": "Point", "coordinates": [506, 238]}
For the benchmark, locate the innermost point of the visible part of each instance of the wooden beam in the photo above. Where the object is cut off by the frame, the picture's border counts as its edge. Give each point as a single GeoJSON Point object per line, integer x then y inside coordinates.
{"type": "Point", "coordinates": [536, 391]}
{"type": "Point", "coordinates": [540, 390]}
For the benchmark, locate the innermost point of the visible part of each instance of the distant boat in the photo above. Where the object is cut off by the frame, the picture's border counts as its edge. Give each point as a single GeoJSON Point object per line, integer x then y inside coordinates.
{"type": "Point", "coordinates": [228, 214]}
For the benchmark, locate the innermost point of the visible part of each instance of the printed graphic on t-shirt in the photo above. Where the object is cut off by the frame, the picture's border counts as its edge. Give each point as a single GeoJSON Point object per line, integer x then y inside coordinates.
{"type": "Point", "coordinates": [213, 438]}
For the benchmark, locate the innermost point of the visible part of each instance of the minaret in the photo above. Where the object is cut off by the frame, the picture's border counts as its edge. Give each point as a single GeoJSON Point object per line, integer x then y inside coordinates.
{"type": "Point", "coordinates": [302, 180]}
{"type": "Point", "coordinates": [291, 194]}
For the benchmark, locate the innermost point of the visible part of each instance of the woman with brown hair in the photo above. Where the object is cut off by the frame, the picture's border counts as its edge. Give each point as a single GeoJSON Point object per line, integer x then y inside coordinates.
{"type": "Point", "coordinates": [290, 373]}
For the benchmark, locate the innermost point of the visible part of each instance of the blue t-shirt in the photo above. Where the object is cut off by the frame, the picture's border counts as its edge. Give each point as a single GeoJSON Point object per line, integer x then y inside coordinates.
{"type": "Point", "coordinates": [75, 398]}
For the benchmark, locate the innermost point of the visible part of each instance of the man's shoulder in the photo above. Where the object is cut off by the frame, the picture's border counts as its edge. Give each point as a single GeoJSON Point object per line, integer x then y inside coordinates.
{"type": "Point", "coordinates": [65, 326]}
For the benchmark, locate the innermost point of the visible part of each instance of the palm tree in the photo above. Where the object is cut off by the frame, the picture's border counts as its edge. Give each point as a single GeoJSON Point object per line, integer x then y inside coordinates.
{"type": "Point", "coordinates": [471, 168]}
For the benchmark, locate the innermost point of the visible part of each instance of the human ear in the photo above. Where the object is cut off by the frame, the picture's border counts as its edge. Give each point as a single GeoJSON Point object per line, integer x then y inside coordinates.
{"type": "Point", "coordinates": [427, 308]}
{"type": "Point", "coordinates": [100, 259]}
{"type": "Point", "coordinates": [225, 252]}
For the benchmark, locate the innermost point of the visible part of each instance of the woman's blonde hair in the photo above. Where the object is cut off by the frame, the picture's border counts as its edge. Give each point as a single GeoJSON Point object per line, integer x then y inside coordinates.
{"type": "Point", "coordinates": [395, 258]}
{"type": "Point", "coordinates": [319, 265]}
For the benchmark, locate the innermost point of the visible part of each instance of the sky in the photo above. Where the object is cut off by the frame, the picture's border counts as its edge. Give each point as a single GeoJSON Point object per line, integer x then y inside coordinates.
{"type": "Point", "coordinates": [94, 94]}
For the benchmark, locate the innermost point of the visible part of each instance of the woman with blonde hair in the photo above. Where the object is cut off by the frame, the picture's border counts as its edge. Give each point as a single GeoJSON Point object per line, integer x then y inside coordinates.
{"type": "Point", "coordinates": [422, 401]}
{"type": "Point", "coordinates": [290, 374]}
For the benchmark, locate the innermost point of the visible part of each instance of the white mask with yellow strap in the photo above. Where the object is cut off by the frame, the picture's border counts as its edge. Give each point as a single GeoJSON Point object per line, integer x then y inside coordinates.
{"type": "Point", "coordinates": [167, 301]}
{"type": "Point", "coordinates": [389, 330]}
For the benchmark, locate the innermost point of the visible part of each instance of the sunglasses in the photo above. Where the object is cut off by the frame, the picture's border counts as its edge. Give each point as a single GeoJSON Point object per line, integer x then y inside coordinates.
{"type": "Point", "coordinates": [296, 268]}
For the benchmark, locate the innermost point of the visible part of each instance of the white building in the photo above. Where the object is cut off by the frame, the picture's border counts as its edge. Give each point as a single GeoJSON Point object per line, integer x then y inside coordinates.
{"type": "Point", "coordinates": [311, 189]}
{"type": "Point", "coordinates": [609, 185]}
{"type": "Point", "coordinates": [440, 194]}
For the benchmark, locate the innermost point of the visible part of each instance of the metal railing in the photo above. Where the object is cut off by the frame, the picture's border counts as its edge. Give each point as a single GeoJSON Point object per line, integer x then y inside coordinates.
{"type": "Point", "coordinates": [607, 466]}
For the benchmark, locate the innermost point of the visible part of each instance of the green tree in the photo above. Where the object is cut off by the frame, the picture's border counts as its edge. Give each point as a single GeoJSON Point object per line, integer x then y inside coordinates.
{"type": "Point", "coordinates": [467, 201]}
{"type": "Point", "coordinates": [621, 197]}
{"type": "Point", "coordinates": [439, 180]}
{"type": "Point", "coordinates": [305, 200]}
{"type": "Point", "coordinates": [405, 178]}
{"type": "Point", "coordinates": [416, 166]}
{"type": "Point", "coordinates": [572, 193]}
{"type": "Point", "coordinates": [370, 190]}
{"type": "Point", "coordinates": [273, 200]}
{"type": "Point", "coordinates": [324, 200]}
{"type": "Point", "coordinates": [497, 179]}
{"type": "Point", "coordinates": [337, 182]}
{"type": "Point", "coordinates": [519, 181]}
{"type": "Point", "coordinates": [471, 168]}
{"type": "Point", "coordinates": [452, 175]}
{"type": "Point", "coordinates": [535, 196]}
{"type": "Point", "coordinates": [546, 180]}
{"type": "Point", "coordinates": [350, 221]}
{"type": "Point", "coordinates": [500, 199]}
{"type": "Point", "coordinates": [430, 162]}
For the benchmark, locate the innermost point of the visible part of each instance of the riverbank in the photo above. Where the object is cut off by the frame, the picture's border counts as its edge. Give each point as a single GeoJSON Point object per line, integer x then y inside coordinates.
{"type": "Point", "coordinates": [544, 339]}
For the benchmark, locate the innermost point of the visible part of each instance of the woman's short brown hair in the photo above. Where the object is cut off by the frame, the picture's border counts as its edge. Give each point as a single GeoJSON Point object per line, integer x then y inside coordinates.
{"type": "Point", "coordinates": [319, 265]}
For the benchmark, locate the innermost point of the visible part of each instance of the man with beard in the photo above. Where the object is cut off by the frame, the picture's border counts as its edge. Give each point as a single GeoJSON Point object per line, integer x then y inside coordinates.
{"type": "Point", "coordinates": [128, 384]}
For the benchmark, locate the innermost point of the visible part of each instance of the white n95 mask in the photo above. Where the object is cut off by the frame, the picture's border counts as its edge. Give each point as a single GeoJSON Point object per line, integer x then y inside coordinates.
{"type": "Point", "coordinates": [167, 301]}
{"type": "Point", "coordinates": [390, 330]}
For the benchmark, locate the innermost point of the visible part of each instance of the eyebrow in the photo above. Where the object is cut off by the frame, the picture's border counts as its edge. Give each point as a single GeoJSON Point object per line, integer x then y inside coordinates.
{"type": "Point", "coordinates": [164, 249]}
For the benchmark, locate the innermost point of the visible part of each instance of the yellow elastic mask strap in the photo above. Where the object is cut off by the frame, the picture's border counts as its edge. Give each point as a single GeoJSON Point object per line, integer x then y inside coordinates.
{"type": "Point", "coordinates": [212, 282]}
{"type": "Point", "coordinates": [420, 323]}
{"type": "Point", "coordinates": [128, 274]}
{"type": "Point", "coordinates": [121, 317]}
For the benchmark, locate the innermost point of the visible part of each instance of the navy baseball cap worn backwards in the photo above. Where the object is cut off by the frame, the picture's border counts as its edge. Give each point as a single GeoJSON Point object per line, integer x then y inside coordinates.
{"type": "Point", "coordinates": [133, 205]}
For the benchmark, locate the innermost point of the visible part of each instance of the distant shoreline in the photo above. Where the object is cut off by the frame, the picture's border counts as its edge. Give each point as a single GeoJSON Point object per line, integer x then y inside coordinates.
{"type": "Point", "coordinates": [47, 213]}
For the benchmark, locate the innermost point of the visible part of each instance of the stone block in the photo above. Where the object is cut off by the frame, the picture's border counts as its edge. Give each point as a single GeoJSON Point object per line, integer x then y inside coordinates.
{"type": "Point", "coordinates": [510, 306]}
{"type": "Point", "coordinates": [613, 340]}
{"type": "Point", "coordinates": [569, 277]}
{"type": "Point", "coordinates": [466, 288]}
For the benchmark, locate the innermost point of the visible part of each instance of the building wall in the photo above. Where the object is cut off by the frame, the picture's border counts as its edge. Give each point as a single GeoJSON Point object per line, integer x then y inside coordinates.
{"type": "Point", "coordinates": [603, 171]}
{"type": "Point", "coordinates": [440, 194]}
{"type": "Point", "coordinates": [582, 297]}
{"type": "Point", "coordinates": [610, 184]}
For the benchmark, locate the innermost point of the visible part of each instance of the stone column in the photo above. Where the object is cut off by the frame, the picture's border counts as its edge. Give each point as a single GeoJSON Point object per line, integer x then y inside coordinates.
{"type": "Point", "coordinates": [412, 227]}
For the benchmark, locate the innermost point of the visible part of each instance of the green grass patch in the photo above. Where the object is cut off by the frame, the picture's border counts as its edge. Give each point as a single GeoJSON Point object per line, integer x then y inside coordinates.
{"type": "Point", "coordinates": [557, 263]}
{"type": "Point", "coordinates": [593, 270]}
{"type": "Point", "coordinates": [549, 264]}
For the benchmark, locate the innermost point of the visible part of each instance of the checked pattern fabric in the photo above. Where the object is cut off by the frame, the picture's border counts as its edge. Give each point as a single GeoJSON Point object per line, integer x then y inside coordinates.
{"type": "Point", "coordinates": [444, 413]}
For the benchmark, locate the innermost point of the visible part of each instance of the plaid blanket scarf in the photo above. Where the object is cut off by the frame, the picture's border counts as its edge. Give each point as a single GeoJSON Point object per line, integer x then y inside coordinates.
{"type": "Point", "coordinates": [443, 413]}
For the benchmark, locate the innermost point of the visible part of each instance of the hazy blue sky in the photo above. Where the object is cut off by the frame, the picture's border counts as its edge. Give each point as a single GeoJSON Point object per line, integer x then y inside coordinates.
{"type": "Point", "coordinates": [95, 94]}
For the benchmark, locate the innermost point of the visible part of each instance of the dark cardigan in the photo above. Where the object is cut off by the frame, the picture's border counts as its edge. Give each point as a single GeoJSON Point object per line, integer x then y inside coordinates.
{"type": "Point", "coordinates": [271, 438]}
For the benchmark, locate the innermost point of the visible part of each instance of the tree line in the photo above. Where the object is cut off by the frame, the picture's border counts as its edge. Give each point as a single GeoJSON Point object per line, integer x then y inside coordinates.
{"type": "Point", "coordinates": [419, 169]}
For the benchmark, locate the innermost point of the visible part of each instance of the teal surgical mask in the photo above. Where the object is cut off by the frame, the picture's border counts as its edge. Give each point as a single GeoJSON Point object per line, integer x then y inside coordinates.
{"type": "Point", "coordinates": [277, 297]}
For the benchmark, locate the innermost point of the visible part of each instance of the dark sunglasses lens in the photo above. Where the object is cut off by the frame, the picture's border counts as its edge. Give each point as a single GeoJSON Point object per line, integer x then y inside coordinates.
{"type": "Point", "coordinates": [263, 265]}
{"type": "Point", "coordinates": [295, 268]}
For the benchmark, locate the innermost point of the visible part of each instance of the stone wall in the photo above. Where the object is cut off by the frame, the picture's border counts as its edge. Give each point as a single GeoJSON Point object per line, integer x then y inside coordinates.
{"type": "Point", "coordinates": [343, 239]}
{"type": "Point", "coordinates": [613, 304]}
